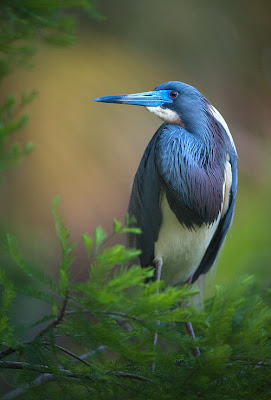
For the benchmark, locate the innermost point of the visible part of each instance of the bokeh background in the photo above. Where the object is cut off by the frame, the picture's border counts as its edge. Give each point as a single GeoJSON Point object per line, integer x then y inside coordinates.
{"type": "Point", "coordinates": [89, 152]}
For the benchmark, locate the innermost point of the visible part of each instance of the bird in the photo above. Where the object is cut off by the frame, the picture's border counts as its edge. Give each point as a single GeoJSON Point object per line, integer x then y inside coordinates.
{"type": "Point", "coordinates": [184, 190]}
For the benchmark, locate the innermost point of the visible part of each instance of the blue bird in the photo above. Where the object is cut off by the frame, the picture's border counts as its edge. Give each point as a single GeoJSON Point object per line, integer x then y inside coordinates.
{"type": "Point", "coordinates": [184, 191]}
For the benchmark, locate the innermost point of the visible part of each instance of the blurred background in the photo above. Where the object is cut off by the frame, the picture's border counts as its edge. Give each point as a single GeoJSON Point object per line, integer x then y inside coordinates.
{"type": "Point", "coordinates": [89, 152]}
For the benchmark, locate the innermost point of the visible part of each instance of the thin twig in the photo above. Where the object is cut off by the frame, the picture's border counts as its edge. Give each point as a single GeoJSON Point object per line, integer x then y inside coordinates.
{"type": "Point", "coordinates": [92, 353]}
{"type": "Point", "coordinates": [78, 358]}
{"type": "Point", "coordinates": [56, 321]}
{"type": "Point", "coordinates": [47, 377]}
{"type": "Point", "coordinates": [261, 362]}
{"type": "Point", "coordinates": [117, 313]}
{"type": "Point", "coordinates": [40, 380]}
{"type": "Point", "coordinates": [53, 324]}
{"type": "Point", "coordinates": [124, 315]}
{"type": "Point", "coordinates": [11, 350]}
{"type": "Point", "coordinates": [121, 374]}
{"type": "Point", "coordinates": [24, 365]}
{"type": "Point", "coordinates": [248, 357]}
{"type": "Point", "coordinates": [68, 373]}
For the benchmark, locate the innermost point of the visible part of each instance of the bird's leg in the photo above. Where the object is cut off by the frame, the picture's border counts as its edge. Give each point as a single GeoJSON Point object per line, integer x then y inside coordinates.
{"type": "Point", "coordinates": [189, 326]}
{"type": "Point", "coordinates": [158, 269]}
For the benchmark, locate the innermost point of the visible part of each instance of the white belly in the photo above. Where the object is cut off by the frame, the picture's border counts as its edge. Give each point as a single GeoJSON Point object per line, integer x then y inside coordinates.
{"type": "Point", "coordinates": [180, 249]}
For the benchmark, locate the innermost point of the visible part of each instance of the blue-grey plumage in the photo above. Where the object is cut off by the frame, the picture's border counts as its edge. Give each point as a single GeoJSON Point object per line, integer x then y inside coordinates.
{"type": "Point", "coordinates": [184, 190]}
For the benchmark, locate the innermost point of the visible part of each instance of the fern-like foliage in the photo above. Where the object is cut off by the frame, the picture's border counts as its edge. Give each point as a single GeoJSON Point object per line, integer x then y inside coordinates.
{"type": "Point", "coordinates": [23, 24]}
{"type": "Point", "coordinates": [97, 338]}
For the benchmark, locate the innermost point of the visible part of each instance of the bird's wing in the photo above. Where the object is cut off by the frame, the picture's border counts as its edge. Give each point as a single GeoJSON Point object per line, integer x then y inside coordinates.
{"type": "Point", "coordinates": [144, 205]}
{"type": "Point", "coordinates": [224, 224]}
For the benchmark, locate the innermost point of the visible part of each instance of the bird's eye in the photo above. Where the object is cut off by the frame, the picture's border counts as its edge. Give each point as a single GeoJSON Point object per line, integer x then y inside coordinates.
{"type": "Point", "coordinates": [173, 94]}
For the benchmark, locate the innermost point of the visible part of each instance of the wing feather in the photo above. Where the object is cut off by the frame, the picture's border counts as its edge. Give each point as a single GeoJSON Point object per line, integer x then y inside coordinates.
{"type": "Point", "coordinates": [224, 224]}
{"type": "Point", "coordinates": [144, 205]}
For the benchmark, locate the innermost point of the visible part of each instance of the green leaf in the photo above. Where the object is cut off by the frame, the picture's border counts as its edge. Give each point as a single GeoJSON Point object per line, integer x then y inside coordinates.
{"type": "Point", "coordinates": [117, 225]}
{"type": "Point", "coordinates": [136, 231]}
{"type": "Point", "coordinates": [8, 104]}
{"type": "Point", "coordinates": [117, 255]}
{"type": "Point", "coordinates": [130, 220]}
{"type": "Point", "coordinates": [88, 242]}
{"type": "Point", "coordinates": [54, 309]}
{"type": "Point", "coordinates": [35, 272]}
{"type": "Point", "coordinates": [7, 297]}
{"type": "Point", "coordinates": [15, 125]}
{"type": "Point", "coordinates": [67, 247]}
{"type": "Point", "coordinates": [128, 277]}
{"type": "Point", "coordinates": [28, 97]}
{"type": "Point", "coordinates": [99, 236]}
{"type": "Point", "coordinates": [63, 281]}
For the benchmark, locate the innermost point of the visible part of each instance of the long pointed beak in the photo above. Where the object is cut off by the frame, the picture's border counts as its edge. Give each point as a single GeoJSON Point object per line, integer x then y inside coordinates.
{"type": "Point", "coordinates": [154, 98]}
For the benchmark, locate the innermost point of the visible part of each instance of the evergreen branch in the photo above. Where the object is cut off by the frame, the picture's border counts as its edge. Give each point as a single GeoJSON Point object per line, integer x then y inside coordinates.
{"type": "Point", "coordinates": [261, 362]}
{"type": "Point", "coordinates": [124, 315]}
{"type": "Point", "coordinates": [11, 350]}
{"type": "Point", "coordinates": [7, 352]}
{"type": "Point", "coordinates": [78, 358]}
{"type": "Point", "coordinates": [117, 313]}
{"type": "Point", "coordinates": [56, 321]}
{"type": "Point", "coordinates": [66, 372]}
{"type": "Point", "coordinates": [92, 353]}
{"type": "Point", "coordinates": [47, 377]}
{"type": "Point", "coordinates": [249, 357]}
{"type": "Point", "coordinates": [40, 368]}
{"type": "Point", "coordinates": [26, 365]}
{"type": "Point", "coordinates": [121, 374]}
{"type": "Point", "coordinates": [40, 380]}
{"type": "Point", "coordinates": [52, 325]}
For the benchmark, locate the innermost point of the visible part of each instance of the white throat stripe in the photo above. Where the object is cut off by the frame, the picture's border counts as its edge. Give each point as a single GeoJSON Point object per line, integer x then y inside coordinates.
{"type": "Point", "coordinates": [221, 120]}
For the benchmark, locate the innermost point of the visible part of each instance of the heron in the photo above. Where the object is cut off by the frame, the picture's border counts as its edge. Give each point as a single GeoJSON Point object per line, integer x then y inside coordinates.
{"type": "Point", "coordinates": [184, 190]}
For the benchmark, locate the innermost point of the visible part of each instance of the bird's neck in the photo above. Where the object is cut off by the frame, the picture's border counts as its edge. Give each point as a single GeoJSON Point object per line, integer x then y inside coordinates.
{"type": "Point", "coordinates": [203, 132]}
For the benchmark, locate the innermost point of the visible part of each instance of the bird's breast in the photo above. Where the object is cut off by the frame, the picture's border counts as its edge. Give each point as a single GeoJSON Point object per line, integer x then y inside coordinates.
{"type": "Point", "coordinates": [180, 248]}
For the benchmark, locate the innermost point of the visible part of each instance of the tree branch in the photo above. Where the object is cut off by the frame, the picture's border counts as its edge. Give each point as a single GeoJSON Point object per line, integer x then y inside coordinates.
{"type": "Point", "coordinates": [40, 380]}
{"type": "Point", "coordinates": [47, 377]}
{"type": "Point", "coordinates": [78, 358]}
{"type": "Point", "coordinates": [68, 373]}
{"type": "Point", "coordinates": [120, 314]}
{"type": "Point", "coordinates": [52, 325]}
{"type": "Point", "coordinates": [11, 350]}
{"type": "Point", "coordinates": [56, 321]}
{"type": "Point", "coordinates": [121, 374]}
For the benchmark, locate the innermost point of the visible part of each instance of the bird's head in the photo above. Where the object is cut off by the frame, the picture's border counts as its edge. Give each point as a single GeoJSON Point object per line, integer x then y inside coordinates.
{"type": "Point", "coordinates": [174, 102]}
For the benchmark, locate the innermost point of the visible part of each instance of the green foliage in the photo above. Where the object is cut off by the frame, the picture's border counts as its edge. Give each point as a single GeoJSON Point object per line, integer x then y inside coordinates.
{"type": "Point", "coordinates": [12, 120]}
{"type": "Point", "coordinates": [7, 297]}
{"type": "Point", "coordinates": [67, 250]}
{"type": "Point", "coordinates": [23, 22]}
{"type": "Point", "coordinates": [22, 25]}
{"type": "Point", "coordinates": [108, 322]}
